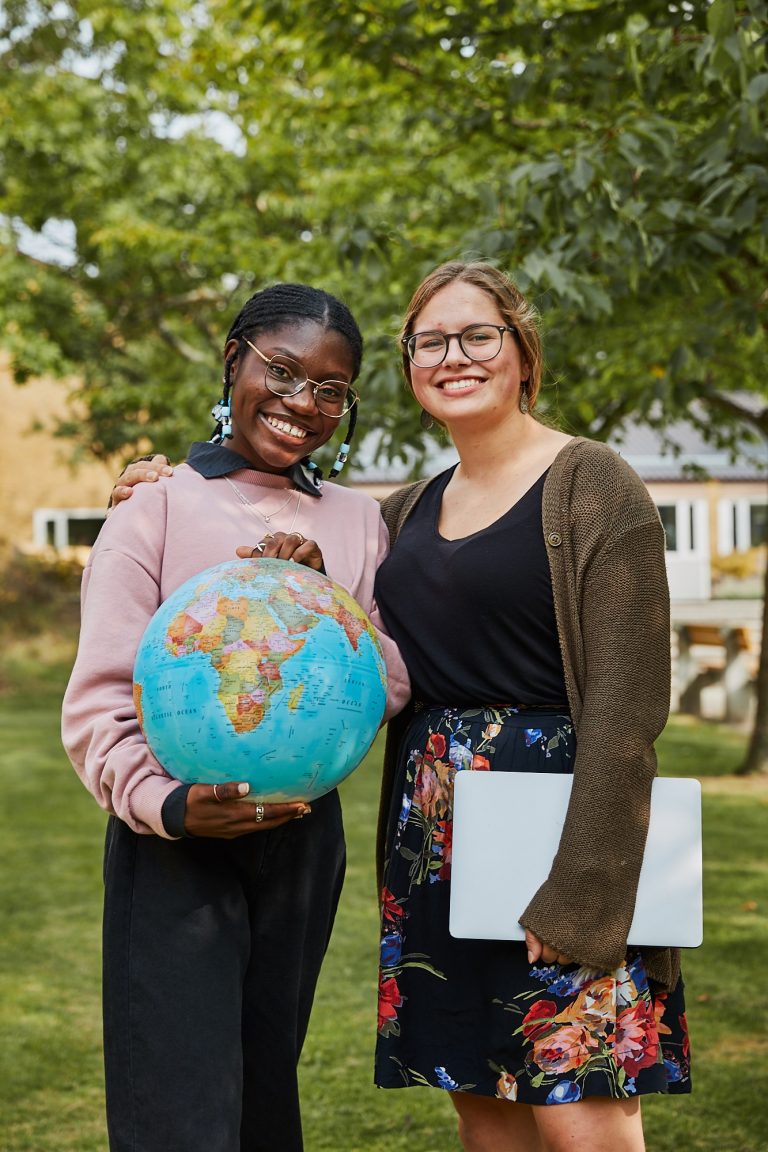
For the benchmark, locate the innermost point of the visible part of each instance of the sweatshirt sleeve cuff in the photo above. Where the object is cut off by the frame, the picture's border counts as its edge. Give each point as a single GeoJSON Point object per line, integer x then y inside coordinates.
{"type": "Point", "coordinates": [174, 810]}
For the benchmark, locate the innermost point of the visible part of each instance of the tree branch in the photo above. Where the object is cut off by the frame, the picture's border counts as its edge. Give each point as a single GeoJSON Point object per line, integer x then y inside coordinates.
{"type": "Point", "coordinates": [187, 351]}
{"type": "Point", "coordinates": [611, 420]}
{"type": "Point", "coordinates": [728, 404]}
{"type": "Point", "coordinates": [196, 296]}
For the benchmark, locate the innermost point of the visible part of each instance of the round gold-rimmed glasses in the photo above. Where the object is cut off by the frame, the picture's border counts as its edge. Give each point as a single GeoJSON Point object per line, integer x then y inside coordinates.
{"type": "Point", "coordinates": [284, 376]}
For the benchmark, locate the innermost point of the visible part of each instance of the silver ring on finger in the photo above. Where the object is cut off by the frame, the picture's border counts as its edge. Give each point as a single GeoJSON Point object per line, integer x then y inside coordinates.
{"type": "Point", "coordinates": [216, 794]}
{"type": "Point", "coordinates": [259, 813]}
{"type": "Point", "coordinates": [258, 548]}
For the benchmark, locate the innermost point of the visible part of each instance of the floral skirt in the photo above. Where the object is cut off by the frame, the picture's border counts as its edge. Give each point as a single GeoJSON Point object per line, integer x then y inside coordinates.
{"type": "Point", "coordinates": [474, 1015]}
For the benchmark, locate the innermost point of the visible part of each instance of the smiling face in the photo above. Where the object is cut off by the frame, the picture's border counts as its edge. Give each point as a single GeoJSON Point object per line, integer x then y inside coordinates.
{"type": "Point", "coordinates": [460, 389]}
{"type": "Point", "coordinates": [271, 431]}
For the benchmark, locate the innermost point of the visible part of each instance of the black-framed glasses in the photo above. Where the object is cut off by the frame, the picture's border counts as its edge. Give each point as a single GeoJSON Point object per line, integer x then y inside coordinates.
{"type": "Point", "coordinates": [284, 376]}
{"type": "Point", "coordinates": [477, 342]}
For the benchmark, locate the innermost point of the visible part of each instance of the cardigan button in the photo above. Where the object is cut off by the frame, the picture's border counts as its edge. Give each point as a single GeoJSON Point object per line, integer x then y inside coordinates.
{"type": "Point", "coordinates": [555, 539]}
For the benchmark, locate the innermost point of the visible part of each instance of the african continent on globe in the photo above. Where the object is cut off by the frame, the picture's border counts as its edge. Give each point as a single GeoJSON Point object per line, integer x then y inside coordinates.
{"type": "Point", "coordinates": [267, 672]}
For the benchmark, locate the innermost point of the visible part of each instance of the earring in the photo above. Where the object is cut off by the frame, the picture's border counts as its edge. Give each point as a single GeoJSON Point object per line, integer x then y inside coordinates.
{"type": "Point", "coordinates": [524, 405]}
{"type": "Point", "coordinates": [426, 420]}
{"type": "Point", "coordinates": [222, 414]}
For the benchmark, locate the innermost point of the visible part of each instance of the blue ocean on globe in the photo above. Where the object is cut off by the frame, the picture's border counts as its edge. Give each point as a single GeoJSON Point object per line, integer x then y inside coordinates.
{"type": "Point", "coordinates": [264, 671]}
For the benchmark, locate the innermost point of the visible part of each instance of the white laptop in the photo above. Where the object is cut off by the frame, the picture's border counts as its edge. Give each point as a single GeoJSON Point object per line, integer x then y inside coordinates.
{"type": "Point", "coordinates": [506, 830]}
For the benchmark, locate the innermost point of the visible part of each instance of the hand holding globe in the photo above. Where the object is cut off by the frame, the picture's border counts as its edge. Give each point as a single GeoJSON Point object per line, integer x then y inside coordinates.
{"type": "Point", "coordinates": [285, 546]}
{"type": "Point", "coordinates": [218, 810]}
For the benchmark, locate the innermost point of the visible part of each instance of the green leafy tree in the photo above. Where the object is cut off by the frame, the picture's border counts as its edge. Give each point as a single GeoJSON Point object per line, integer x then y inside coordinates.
{"type": "Point", "coordinates": [613, 156]}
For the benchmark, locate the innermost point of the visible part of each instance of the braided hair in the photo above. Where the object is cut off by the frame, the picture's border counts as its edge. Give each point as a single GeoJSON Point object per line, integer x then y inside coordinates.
{"type": "Point", "coordinates": [273, 307]}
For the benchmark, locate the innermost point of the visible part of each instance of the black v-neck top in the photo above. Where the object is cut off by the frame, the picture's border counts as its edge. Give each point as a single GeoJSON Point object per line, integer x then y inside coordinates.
{"type": "Point", "coordinates": [474, 618]}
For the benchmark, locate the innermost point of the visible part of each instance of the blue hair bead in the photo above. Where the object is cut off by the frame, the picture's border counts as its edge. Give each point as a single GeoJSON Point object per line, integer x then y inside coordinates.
{"type": "Point", "coordinates": [340, 461]}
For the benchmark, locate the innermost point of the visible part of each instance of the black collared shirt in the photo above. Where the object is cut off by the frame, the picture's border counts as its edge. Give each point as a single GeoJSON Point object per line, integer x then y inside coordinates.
{"type": "Point", "coordinates": [213, 460]}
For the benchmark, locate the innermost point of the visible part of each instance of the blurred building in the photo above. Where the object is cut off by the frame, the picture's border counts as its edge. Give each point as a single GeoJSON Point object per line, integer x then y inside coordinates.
{"type": "Point", "coordinates": [46, 500]}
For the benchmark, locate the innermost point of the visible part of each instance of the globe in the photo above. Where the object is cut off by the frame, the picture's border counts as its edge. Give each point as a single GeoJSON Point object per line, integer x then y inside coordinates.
{"type": "Point", "coordinates": [267, 672]}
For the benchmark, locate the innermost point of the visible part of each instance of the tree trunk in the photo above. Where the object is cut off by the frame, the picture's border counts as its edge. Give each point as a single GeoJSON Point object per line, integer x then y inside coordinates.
{"type": "Point", "coordinates": [757, 753]}
{"type": "Point", "coordinates": [756, 759]}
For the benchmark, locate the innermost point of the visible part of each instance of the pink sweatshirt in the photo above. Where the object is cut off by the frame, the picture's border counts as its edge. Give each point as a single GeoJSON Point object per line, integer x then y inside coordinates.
{"type": "Point", "coordinates": [166, 533]}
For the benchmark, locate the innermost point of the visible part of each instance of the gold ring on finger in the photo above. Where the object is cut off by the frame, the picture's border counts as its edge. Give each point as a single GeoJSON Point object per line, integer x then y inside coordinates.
{"type": "Point", "coordinates": [299, 536]}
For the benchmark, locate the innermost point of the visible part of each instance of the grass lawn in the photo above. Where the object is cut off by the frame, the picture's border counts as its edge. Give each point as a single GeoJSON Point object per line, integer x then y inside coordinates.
{"type": "Point", "coordinates": [50, 898]}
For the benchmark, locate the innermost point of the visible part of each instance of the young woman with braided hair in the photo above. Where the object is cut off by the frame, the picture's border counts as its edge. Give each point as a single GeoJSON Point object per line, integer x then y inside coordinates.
{"type": "Point", "coordinates": [217, 914]}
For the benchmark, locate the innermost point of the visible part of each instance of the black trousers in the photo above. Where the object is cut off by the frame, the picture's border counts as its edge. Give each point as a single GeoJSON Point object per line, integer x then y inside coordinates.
{"type": "Point", "coordinates": [212, 950]}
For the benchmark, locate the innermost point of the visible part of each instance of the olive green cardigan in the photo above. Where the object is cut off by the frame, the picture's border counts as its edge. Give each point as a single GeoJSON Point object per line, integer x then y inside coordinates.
{"type": "Point", "coordinates": [605, 545]}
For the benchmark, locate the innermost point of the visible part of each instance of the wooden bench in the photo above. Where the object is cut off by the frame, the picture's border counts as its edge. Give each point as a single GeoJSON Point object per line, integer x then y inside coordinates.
{"type": "Point", "coordinates": [710, 654]}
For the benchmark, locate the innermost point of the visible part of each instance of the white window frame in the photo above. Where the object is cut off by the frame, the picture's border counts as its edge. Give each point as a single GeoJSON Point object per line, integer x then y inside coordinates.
{"type": "Point", "coordinates": [734, 530]}
{"type": "Point", "coordinates": [691, 528]}
{"type": "Point", "coordinates": [688, 564]}
{"type": "Point", "coordinates": [60, 518]}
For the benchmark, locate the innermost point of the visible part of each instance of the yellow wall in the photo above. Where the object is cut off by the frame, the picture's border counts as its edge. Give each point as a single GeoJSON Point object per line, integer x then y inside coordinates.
{"type": "Point", "coordinates": [35, 468]}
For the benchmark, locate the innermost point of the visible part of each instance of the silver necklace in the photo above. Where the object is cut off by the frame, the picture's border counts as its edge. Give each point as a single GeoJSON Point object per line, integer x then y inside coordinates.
{"type": "Point", "coordinates": [267, 517]}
